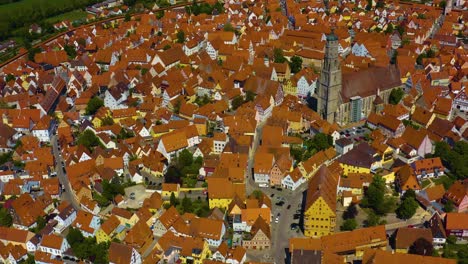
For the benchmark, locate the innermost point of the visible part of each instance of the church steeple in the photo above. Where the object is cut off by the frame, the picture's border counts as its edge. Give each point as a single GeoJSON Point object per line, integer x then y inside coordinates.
{"type": "Point", "coordinates": [328, 95]}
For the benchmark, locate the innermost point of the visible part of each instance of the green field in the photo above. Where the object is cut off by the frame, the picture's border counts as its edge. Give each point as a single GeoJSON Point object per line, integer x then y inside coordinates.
{"type": "Point", "coordinates": [71, 16]}
{"type": "Point", "coordinates": [25, 12]}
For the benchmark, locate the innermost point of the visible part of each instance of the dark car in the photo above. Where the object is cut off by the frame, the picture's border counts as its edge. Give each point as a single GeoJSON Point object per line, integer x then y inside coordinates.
{"type": "Point", "coordinates": [280, 203]}
{"type": "Point", "coordinates": [294, 226]}
{"type": "Point", "coordinates": [279, 189]}
{"type": "Point", "coordinates": [289, 206]}
{"type": "Point", "coordinates": [272, 195]}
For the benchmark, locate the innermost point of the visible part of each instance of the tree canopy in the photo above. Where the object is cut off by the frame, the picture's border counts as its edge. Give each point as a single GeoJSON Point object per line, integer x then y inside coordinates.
{"type": "Point", "coordinates": [87, 248]}
{"type": "Point", "coordinates": [278, 56]}
{"type": "Point", "coordinates": [351, 212]}
{"type": "Point", "coordinates": [375, 199]}
{"type": "Point", "coordinates": [296, 64]}
{"type": "Point", "coordinates": [454, 158]}
{"type": "Point", "coordinates": [180, 36]}
{"type": "Point", "coordinates": [408, 205]}
{"type": "Point", "coordinates": [5, 218]}
{"type": "Point", "coordinates": [349, 225]}
{"type": "Point", "coordinates": [88, 139]}
{"type": "Point", "coordinates": [395, 96]}
{"type": "Point", "coordinates": [93, 105]}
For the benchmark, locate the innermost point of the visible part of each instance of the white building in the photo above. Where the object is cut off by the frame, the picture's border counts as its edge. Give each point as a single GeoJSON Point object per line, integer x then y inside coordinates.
{"type": "Point", "coordinates": [53, 244]}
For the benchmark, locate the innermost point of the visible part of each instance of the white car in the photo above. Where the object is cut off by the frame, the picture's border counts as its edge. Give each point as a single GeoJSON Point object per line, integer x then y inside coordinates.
{"type": "Point", "coordinates": [277, 219]}
{"type": "Point", "coordinates": [263, 185]}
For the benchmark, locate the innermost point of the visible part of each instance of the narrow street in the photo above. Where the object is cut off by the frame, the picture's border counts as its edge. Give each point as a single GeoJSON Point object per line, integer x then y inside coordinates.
{"type": "Point", "coordinates": [67, 194]}
{"type": "Point", "coordinates": [281, 231]}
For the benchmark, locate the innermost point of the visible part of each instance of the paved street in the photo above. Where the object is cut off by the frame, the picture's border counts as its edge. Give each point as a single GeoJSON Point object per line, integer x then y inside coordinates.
{"type": "Point", "coordinates": [281, 231]}
{"type": "Point", "coordinates": [67, 194]}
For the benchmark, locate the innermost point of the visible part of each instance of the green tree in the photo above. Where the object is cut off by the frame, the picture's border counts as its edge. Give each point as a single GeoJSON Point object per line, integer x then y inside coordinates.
{"type": "Point", "coordinates": [30, 260]}
{"type": "Point", "coordinates": [88, 139]}
{"type": "Point", "coordinates": [186, 204]}
{"type": "Point", "coordinates": [407, 208]}
{"type": "Point", "coordinates": [70, 50]}
{"type": "Point", "coordinates": [173, 200]}
{"type": "Point", "coordinates": [110, 189]}
{"type": "Point", "coordinates": [129, 2]}
{"type": "Point", "coordinates": [32, 53]}
{"type": "Point", "coordinates": [351, 212]}
{"type": "Point", "coordinates": [443, 4]}
{"type": "Point", "coordinates": [278, 56]}
{"type": "Point", "coordinates": [369, 5]}
{"type": "Point", "coordinates": [128, 17]}
{"type": "Point", "coordinates": [349, 225]}
{"type": "Point", "coordinates": [9, 77]}
{"type": "Point", "coordinates": [249, 96]}
{"type": "Point", "coordinates": [390, 28]}
{"type": "Point", "coordinates": [160, 14]}
{"type": "Point", "coordinates": [228, 27]}
{"type": "Point", "coordinates": [185, 158]}
{"type": "Point", "coordinates": [5, 218]}
{"type": "Point", "coordinates": [107, 121]}
{"type": "Point", "coordinates": [374, 197]}
{"type": "Point", "coordinates": [180, 36]}
{"type": "Point", "coordinates": [448, 206]}
{"type": "Point", "coordinates": [74, 236]}
{"type": "Point", "coordinates": [296, 64]}
{"type": "Point", "coordinates": [372, 219]}
{"type": "Point", "coordinates": [395, 96]}
{"type": "Point", "coordinates": [41, 223]}
{"type": "Point", "coordinates": [93, 105]}
{"type": "Point", "coordinates": [257, 194]}
{"type": "Point", "coordinates": [166, 47]}
{"type": "Point", "coordinates": [236, 102]}
{"type": "Point", "coordinates": [321, 141]}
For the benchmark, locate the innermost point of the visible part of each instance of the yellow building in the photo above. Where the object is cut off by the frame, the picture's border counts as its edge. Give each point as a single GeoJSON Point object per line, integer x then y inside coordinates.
{"type": "Point", "coordinates": [290, 87]}
{"type": "Point", "coordinates": [346, 245]}
{"type": "Point", "coordinates": [120, 114]}
{"type": "Point", "coordinates": [126, 218]}
{"type": "Point", "coordinates": [388, 176]}
{"type": "Point", "coordinates": [110, 229]}
{"type": "Point", "coordinates": [320, 208]}
{"type": "Point", "coordinates": [221, 192]}
{"type": "Point", "coordinates": [361, 159]}
{"type": "Point", "coordinates": [170, 188]}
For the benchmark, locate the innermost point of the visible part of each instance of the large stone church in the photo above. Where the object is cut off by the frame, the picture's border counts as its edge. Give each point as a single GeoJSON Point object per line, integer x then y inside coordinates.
{"type": "Point", "coordinates": [350, 97]}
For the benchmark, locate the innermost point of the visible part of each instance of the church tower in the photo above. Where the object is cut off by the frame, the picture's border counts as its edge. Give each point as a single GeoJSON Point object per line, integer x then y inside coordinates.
{"type": "Point", "coordinates": [328, 96]}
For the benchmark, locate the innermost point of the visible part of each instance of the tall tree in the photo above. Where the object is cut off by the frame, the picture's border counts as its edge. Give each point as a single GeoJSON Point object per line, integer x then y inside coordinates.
{"type": "Point", "coordinates": [93, 105]}
{"type": "Point", "coordinates": [5, 218]}
{"type": "Point", "coordinates": [296, 64]}
{"type": "Point", "coordinates": [278, 56]}
{"type": "Point", "coordinates": [351, 212]}
{"type": "Point", "coordinates": [395, 96]}
{"type": "Point", "coordinates": [180, 36]}
{"type": "Point", "coordinates": [349, 225]}
{"type": "Point", "coordinates": [374, 197]}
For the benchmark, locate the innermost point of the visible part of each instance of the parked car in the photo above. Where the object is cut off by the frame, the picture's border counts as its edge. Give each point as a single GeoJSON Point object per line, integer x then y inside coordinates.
{"type": "Point", "coordinates": [289, 206]}
{"type": "Point", "coordinates": [272, 195]}
{"type": "Point", "coordinates": [263, 185]}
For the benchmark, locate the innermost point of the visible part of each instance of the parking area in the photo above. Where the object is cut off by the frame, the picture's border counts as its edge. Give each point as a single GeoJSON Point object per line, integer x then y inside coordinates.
{"type": "Point", "coordinates": [356, 134]}
{"type": "Point", "coordinates": [134, 196]}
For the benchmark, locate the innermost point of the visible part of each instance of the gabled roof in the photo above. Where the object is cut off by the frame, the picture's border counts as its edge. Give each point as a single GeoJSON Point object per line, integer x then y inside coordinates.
{"type": "Point", "coordinates": [323, 184]}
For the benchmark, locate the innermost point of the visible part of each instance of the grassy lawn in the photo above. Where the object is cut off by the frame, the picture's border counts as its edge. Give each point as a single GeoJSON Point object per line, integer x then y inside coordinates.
{"type": "Point", "coordinates": [71, 16]}
{"type": "Point", "coordinates": [445, 180]}
{"type": "Point", "coordinates": [425, 183]}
